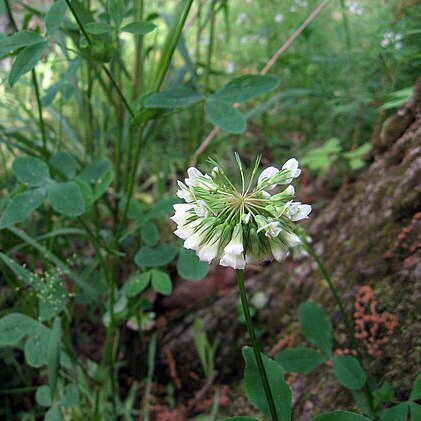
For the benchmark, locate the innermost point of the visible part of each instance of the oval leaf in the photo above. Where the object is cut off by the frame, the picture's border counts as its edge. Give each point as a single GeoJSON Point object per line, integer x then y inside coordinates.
{"type": "Point", "coordinates": [70, 396]}
{"type": "Point", "coordinates": [98, 28]}
{"type": "Point", "coordinates": [161, 282]}
{"type": "Point", "coordinates": [316, 326]}
{"type": "Point", "coordinates": [150, 234]}
{"type": "Point", "coordinates": [416, 389]}
{"type": "Point", "coordinates": [19, 40]}
{"type": "Point", "coordinates": [95, 171]}
{"type": "Point", "coordinates": [239, 419]}
{"type": "Point", "coordinates": [397, 413]}
{"type": "Point", "coordinates": [155, 256]}
{"type": "Point", "coordinates": [55, 15]}
{"type": "Point", "coordinates": [67, 199]}
{"type": "Point", "coordinates": [64, 163]}
{"type": "Point", "coordinates": [14, 327]}
{"type": "Point", "coordinates": [190, 267]}
{"type": "Point", "coordinates": [254, 387]}
{"type": "Point", "coordinates": [53, 414]}
{"type": "Point", "coordinates": [31, 171]}
{"type": "Point", "coordinates": [20, 206]}
{"type": "Point", "coordinates": [116, 11]}
{"type": "Point", "coordinates": [36, 346]}
{"type": "Point", "coordinates": [42, 396]}
{"type": "Point", "coordinates": [226, 117]}
{"type": "Point", "coordinates": [300, 360]}
{"type": "Point", "coordinates": [137, 283]}
{"type": "Point", "coordinates": [415, 411]}
{"type": "Point", "coordinates": [172, 98]}
{"type": "Point", "coordinates": [139, 28]}
{"type": "Point", "coordinates": [246, 87]}
{"type": "Point", "coordinates": [26, 60]}
{"type": "Point", "coordinates": [348, 372]}
{"type": "Point", "coordinates": [340, 416]}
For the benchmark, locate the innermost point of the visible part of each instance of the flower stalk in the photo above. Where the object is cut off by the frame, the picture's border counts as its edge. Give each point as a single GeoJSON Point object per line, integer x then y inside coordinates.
{"type": "Point", "coordinates": [255, 345]}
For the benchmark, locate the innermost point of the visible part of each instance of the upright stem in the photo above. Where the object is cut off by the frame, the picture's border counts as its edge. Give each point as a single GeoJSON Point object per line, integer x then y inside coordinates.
{"type": "Point", "coordinates": [259, 361]}
{"type": "Point", "coordinates": [103, 67]}
{"type": "Point", "coordinates": [335, 294]}
{"type": "Point", "coordinates": [40, 117]}
{"type": "Point", "coordinates": [345, 317]}
{"type": "Point", "coordinates": [34, 83]}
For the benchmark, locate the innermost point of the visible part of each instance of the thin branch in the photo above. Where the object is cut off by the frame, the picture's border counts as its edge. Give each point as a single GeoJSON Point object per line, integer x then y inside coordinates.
{"type": "Point", "coordinates": [103, 66]}
{"type": "Point", "coordinates": [208, 139]}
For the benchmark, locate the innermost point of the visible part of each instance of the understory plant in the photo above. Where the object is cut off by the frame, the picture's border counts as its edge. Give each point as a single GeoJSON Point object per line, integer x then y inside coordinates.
{"type": "Point", "coordinates": [251, 225]}
{"type": "Point", "coordinates": [89, 89]}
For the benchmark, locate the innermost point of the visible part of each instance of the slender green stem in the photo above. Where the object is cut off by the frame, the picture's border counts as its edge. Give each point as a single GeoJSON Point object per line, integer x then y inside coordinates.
{"type": "Point", "coordinates": [168, 51]}
{"type": "Point", "coordinates": [259, 361]}
{"type": "Point", "coordinates": [346, 25]}
{"type": "Point", "coordinates": [103, 67]}
{"type": "Point", "coordinates": [345, 316]}
{"type": "Point", "coordinates": [322, 268]}
{"type": "Point", "coordinates": [79, 22]}
{"type": "Point", "coordinates": [40, 117]}
{"type": "Point", "coordinates": [151, 369]}
{"type": "Point", "coordinates": [34, 82]}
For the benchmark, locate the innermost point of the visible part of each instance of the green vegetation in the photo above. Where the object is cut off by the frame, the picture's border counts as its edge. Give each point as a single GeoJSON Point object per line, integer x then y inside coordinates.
{"type": "Point", "coordinates": [104, 104]}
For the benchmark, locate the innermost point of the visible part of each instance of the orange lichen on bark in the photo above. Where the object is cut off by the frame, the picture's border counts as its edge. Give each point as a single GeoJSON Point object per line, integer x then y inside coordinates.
{"type": "Point", "coordinates": [372, 328]}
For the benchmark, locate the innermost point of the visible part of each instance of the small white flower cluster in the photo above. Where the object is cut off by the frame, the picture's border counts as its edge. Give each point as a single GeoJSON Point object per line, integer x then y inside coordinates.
{"type": "Point", "coordinates": [354, 8]}
{"type": "Point", "coordinates": [298, 4]}
{"type": "Point", "coordinates": [239, 227]}
{"type": "Point", "coordinates": [392, 39]}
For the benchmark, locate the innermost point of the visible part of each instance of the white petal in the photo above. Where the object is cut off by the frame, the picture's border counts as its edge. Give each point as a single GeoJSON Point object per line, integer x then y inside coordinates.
{"type": "Point", "coordinates": [201, 209]}
{"type": "Point", "coordinates": [208, 252]}
{"type": "Point", "coordinates": [289, 191]}
{"type": "Point", "coordinates": [246, 218]}
{"type": "Point", "coordinates": [235, 246]}
{"type": "Point", "coordinates": [187, 230]}
{"type": "Point", "coordinates": [182, 207]}
{"type": "Point", "coordinates": [293, 171]}
{"type": "Point", "coordinates": [265, 194]}
{"type": "Point", "coordinates": [233, 261]}
{"type": "Point", "coordinates": [183, 232]}
{"type": "Point", "coordinates": [266, 174]}
{"type": "Point", "coordinates": [291, 238]}
{"type": "Point", "coordinates": [193, 173]}
{"type": "Point", "coordinates": [302, 212]}
{"type": "Point", "coordinates": [193, 241]}
{"type": "Point", "coordinates": [180, 218]}
{"type": "Point", "coordinates": [279, 251]}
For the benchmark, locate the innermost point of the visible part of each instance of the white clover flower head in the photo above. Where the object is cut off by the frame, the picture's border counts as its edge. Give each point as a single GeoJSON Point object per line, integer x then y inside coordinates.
{"type": "Point", "coordinates": [391, 39]}
{"type": "Point", "coordinates": [243, 226]}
